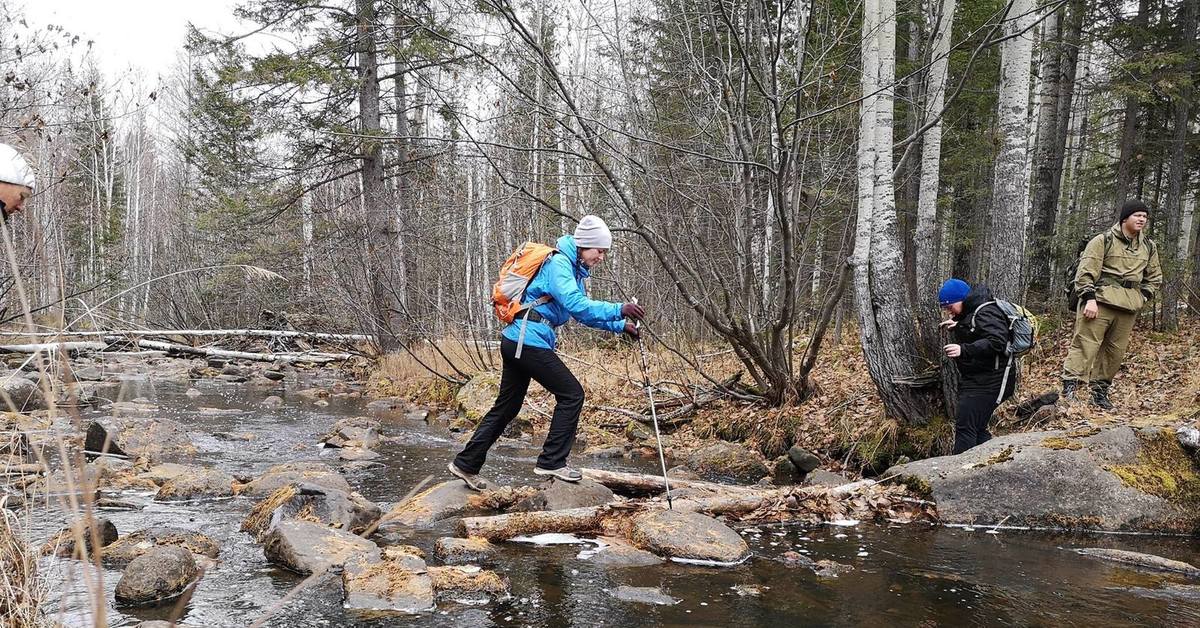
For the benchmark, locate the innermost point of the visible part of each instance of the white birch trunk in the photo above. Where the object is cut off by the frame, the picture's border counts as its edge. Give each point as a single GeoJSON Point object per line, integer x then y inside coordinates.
{"type": "Point", "coordinates": [1010, 201]}
{"type": "Point", "coordinates": [931, 155]}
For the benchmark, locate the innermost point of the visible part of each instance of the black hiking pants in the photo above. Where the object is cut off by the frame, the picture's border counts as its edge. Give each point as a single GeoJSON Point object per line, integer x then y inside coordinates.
{"type": "Point", "coordinates": [975, 409]}
{"type": "Point", "coordinates": [543, 366]}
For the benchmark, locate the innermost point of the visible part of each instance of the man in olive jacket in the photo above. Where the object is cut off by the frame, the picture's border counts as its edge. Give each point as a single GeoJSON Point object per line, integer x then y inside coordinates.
{"type": "Point", "coordinates": [1118, 274]}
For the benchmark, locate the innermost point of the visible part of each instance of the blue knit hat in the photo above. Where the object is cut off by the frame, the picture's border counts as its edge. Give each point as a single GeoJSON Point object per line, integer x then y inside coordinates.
{"type": "Point", "coordinates": [953, 291]}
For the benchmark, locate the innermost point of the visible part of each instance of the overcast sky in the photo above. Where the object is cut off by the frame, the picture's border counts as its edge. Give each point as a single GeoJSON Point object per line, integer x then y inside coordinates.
{"type": "Point", "coordinates": [144, 34]}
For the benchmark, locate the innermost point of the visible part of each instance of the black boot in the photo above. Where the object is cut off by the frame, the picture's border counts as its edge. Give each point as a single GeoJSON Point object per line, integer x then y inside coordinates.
{"type": "Point", "coordinates": [1070, 387]}
{"type": "Point", "coordinates": [1100, 395]}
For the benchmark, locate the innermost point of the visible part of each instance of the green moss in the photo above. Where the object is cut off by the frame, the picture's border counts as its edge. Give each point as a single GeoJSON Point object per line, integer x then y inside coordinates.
{"type": "Point", "coordinates": [918, 486]}
{"type": "Point", "coordinates": [1004, 455]}
{"type": "Point", "coordinates": [1163, 468]}
{"type": "Point", "coordinates": [1061, 442]}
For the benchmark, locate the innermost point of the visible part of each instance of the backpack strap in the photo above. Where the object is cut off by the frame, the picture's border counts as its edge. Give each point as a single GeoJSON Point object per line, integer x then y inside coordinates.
{"type": "Point", "coordinates": [528, 307]}
{"type": "Point", "coordinates": [976, 313]}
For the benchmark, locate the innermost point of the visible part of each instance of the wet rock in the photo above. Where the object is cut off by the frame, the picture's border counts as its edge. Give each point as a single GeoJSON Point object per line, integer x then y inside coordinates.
{"type": "Point", "coordinates": [687, 535]}
{"type": "Point", "coordinates": [1111, 479]}
{"type": "Point", "coordinates": [310, 502]}
{"type": "Point", "coordinates": [821, 477]}
{"type": "Point", "coordinates": [193, 393]}
{"type": "Point", "coordinates": [125, 549]}
{"type": "Point", "coordinates": [88, 374]}
{"type": "Point", "coordinates": [362, 432]}
{"type": "Point", "coordinates": [351, 454]}
{"type": "Point", "coordinates": [619, 553]}
{"type": "Point", "coordinates": [604, 452]}
{"type": "Point", "coordinates": [153, 439]}
{"type": "Point", "coordinates": [233, 379]}
{"type": "Point", "coordinates": [275, 376]}
{"type": "Point", "coordinates": [305, 547]}
{"type": "Point", "coordinates": [219, 411]}
{"type": "Point", "coordinates": [419, 414]}
{"type": "Point", "coordinates": [559, 495]}
{"type": "Point", "coordinates": [398, 583]}
{"type": "Point", "coordinates": [161, 574]}
{"type": "Point", "coordinates": [749, 590]}
{"type": "Point", "coordinates": [387, 405]}
{"type": "Point", "coordinates": [804, 460]}
{"type": "Point", "coordinates": [823, 568]}
{"type": "Point", "coordinates": [162, 473]}
{"type": "Point", "coordinates": [236, 436]}
{"type": "Point", "coordinates": [722, 461]}
{"type": "Point", "coordinates": [195, 484]}
{"type": "Point", "coordinates": [1144, 561]}
{"type": "Point", "coordinates": [446, 500]}
{"type": "Point", "coordinates": [643, 595]}
{"type": "Point", "coordinates": [25, 394]}
{"type": "Point", "coordinates": [313, 394]}
{"type": "Point", "coordinates": [682, 473]}
{"type": "Point", "coordinates": [456, 551]}
{"type": "Point", "coordinates": [63, 543]}
{"type": "Point", "coordinates": [113, 503]}
{"type": "Point", "coordinates": [282, 475]}
{"type": "Point", "coordinates": [467, 583]}
{"type": "Point", "coordinates": [232, 369]}
{"type": "Point", "coordinates": [274, 401]}
{"type": "Point", "coordinates": [784, 473]}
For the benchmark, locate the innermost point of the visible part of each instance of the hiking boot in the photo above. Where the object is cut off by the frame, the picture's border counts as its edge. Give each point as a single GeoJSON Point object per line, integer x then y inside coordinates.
{"type": "Point", "coordinates": [566, 474]}
{"type": "Point", "coordinates": [1100, 396]}
{"type": "Point", "coordinates": [1070, 388]}
{"type": "Point", "coordinates": [474, 482]}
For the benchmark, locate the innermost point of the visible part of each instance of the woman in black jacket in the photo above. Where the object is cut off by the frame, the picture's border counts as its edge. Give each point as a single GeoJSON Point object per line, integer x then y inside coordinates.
{"type": "Point", "coordinates": [979, 331]}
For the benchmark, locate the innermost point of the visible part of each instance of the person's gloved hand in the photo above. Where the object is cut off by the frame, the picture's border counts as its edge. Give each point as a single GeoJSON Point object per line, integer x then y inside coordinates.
{"type": "Point", "coordinates": [632, 310]}
{"type": "Point", "coordinates": [632, 330]}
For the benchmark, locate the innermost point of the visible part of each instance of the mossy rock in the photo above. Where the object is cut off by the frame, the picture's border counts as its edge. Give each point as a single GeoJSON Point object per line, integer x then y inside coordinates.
{"type": "Point", "coordinates": [1163, 468]}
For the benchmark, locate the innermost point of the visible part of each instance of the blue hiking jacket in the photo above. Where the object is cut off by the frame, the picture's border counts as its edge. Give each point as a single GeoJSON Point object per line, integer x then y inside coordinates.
{"type": "Point", "coordinates": [562, 279]}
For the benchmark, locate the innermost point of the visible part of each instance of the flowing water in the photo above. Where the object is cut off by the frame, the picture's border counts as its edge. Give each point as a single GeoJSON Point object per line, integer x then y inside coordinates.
{"type": "Point", "coordinates": [902, 574]}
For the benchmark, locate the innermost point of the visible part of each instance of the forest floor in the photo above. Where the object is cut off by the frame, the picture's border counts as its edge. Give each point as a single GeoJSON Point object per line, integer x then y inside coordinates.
{"type": "Point", "coordinates": [844, 422]}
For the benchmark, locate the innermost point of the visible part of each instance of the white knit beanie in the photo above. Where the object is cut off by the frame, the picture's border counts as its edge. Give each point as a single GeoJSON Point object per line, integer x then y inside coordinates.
{"type": "Point", "coordinates": [592, 233]}
{"type": "Point", "coordinates": [13, 167]}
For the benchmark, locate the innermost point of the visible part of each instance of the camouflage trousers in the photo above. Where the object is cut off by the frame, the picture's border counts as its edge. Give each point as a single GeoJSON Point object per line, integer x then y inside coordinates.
{"type": "Point", "coordinates": [1098, 345]}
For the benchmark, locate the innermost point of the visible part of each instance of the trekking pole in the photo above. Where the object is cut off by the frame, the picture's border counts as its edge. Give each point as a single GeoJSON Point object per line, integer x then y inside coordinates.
{"type": "Point", "coordinates": [662, 459]}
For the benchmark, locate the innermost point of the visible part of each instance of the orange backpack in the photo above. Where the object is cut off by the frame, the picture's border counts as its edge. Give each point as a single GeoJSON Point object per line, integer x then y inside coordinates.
{"type": "Point", "coordinates": [515, 275]}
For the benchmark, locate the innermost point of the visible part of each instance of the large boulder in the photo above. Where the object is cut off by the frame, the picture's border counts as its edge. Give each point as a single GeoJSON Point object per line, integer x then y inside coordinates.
{"type": "Point", "coordinates": [446, 500]}
{"type": "Point", "coordinates": [723, 462]}
{"type": "Point", "coordinates": [152, 439]}
{"type": "Point", "coordinates": [311, 502]}
{"type": "Point", "coordinates": [282, 475]}
{"type": "Point", "coordinates": [160, 574]}
{"type": "Point", "coordinates": [559, 495]}
{"type": "Point", "coordinates": [1111, 479]}
{"type": "Point", "coordinates": [476, 397]}
{"type": "Point", "coordinates": [688, 536]}
{"type": "Point", "coordinates": [196, 484]}
{"type": "Point", "coordinates": [398, 582]}
{"type": "Point", "coordinates": [306, 547]}
{"type": "Point", "coordinates": [361, 432]}
{"type": "Point", "coordinates": [617, 552]}
{"type": "Point", "coordinates": [129, 547]}
{"type": "Point", "coordinates": [18, 394]}
{"type": "Point", "coordinates": [63, 543]}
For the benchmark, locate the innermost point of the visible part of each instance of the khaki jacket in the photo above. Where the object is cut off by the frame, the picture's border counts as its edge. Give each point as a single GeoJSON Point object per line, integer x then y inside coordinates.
{"type": "Point", "coordinates": [1119, 272]}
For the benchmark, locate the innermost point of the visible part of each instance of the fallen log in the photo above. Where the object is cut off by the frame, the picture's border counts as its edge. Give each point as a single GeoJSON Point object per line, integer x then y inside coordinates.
{"type": "Point", "coordinates": [638, 484]}
{"type": "Point", "coordinates": [250, 333]}
{"type": "Point", "coordinates": [52, 347]}
{"type": "Point", "coordinates": [170, 347]}
{"type": "Point", "coordinates": [507, 526]}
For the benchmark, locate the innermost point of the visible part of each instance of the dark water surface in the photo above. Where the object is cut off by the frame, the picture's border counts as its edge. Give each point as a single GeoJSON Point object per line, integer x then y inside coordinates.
{"type": "Point", "coordinates": [913, 575]}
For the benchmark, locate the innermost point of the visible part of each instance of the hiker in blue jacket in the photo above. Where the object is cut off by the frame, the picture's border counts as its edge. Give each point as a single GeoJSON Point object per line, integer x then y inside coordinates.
{"type": "Point", "coordinates": [530, 355]}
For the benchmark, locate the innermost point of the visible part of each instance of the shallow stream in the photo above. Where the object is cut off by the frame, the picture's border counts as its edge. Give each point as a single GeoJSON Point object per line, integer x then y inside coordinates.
{"type": "Point", "coordinates": [906, 575]}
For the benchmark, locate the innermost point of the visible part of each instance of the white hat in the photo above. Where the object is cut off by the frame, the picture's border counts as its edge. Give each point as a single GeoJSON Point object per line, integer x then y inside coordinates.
{"type": "Point", "coordinates": [592, 233]}
{"type": "Point", "coordinates": [13, 167]}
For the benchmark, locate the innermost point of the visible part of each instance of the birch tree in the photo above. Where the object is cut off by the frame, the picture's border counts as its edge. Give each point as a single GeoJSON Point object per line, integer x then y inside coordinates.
{"type": "Point", "coordinates": [1010, 200]}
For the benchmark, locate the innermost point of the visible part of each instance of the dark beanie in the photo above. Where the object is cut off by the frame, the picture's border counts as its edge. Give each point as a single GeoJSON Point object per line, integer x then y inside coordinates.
{"type": "Point", "coordinates": [1131, 207]}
